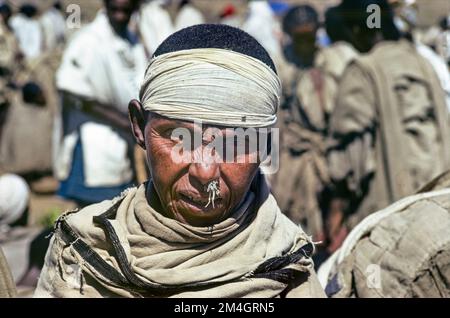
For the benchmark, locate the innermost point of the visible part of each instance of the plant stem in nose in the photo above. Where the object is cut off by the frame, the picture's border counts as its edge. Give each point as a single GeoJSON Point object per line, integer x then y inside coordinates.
{"type": "Point", "coordinates": [213, 190]}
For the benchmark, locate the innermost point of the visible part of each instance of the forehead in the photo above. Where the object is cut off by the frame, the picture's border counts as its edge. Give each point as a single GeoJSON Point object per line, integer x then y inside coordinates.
{"type": "Point", "coordinates": [156, 120]}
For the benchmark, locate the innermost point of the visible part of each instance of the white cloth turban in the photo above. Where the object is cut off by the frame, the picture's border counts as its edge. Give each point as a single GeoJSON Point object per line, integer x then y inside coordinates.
{"type": "Point", "coordinates": [14, 195]}
{"type": "Point", "coordinates": [214, 86]}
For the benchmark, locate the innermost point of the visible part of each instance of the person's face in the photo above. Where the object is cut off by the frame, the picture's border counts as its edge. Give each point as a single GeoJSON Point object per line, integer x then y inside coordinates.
{"type": "Point", "coordinates": [119, 13]}
{"type": "Point", "coordinates": [364, 41]}
{"type": "Point", "coordinates": [304, 40]}
{"type": "Point", "coordinates": [181, 186]}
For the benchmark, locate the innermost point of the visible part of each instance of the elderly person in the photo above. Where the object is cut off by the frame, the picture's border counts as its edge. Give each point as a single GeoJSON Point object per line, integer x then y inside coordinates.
{"type": "Point", "coordinates": [197, 228]}
{"type": "Point", "coordinates": [389, 128]}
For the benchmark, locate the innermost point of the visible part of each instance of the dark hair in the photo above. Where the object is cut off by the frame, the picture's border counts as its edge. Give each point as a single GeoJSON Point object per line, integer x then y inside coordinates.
{"type": "Point", "coordinates": [135, 3]}
{"type": "Point", "coordinates": [31, 92]}
{"type": "Point", "coordinates": [5, 9]}
{"type": "Point", "coordinates": [443, 23]}
{"type": "Point", "coordinates": [184, 3]}
{"type": "Point", "coordinates": [298, 16]}
{"type": "Point", "coordinates": [335, 26]}
{"type": "Point", "coordinates": [57, 5]}
{"type": "Point", "coordinates": [215, 36]}
{"type": "Point", "coordinates": [355, 13]}
{"type": "Point", "coordinates": [28, 10]}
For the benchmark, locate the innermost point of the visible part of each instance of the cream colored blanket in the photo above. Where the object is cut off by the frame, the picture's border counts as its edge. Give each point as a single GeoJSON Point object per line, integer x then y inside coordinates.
{"type": "Point", "coordinates": [168, 258]}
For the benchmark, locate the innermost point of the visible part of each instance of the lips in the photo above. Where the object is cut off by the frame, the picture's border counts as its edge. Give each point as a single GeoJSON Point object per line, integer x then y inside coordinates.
{"type": "Point", "coordinates": [199, 203]}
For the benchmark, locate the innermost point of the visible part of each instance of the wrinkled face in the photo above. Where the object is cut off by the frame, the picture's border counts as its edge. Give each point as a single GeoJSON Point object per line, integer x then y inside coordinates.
{"type": "Point", "coordinates": [119, 13]}
{"type": "Point", "coordinates": [181, 185]}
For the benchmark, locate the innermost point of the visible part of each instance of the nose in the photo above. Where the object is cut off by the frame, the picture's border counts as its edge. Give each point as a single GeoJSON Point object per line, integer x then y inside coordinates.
{"type": "Point", "coordinates": [205, 169]}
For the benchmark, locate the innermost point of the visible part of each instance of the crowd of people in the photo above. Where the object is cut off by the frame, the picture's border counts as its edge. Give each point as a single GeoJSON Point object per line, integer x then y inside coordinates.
{"type": "Point", "coordinates": [364, 150]}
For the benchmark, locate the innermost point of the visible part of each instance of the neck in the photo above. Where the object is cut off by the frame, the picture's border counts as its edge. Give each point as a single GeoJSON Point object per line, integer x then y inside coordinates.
{"type": "Point", "coordinates": [153, 198]}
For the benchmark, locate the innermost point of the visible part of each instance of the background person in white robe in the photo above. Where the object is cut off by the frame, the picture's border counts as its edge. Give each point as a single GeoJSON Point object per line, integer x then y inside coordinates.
{"type": "Point", "coordinates": [14, 196]}
{"type": "Point", "coordinates": [54, 26]}
{"type": "Point", "coordinates": [100, 72]}
{"type": "Point", "coordinates": [406, 21]}
{"type": "Point", "coordinates": [260, 21]}
{"type": "Point", "coordinates": [263, 25]}
{"type": "Point", "coordinates": [28, 31]}
{"type": "Point", "coordinates": [188, 15]}
{"type": "Point", "coordinates": [155, 24]}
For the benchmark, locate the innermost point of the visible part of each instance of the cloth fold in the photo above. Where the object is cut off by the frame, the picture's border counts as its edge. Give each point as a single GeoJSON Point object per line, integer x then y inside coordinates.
{"type": "Point", "coordinates": [220, 260]}
{"type": "Point", "coordinates": [215, 86]}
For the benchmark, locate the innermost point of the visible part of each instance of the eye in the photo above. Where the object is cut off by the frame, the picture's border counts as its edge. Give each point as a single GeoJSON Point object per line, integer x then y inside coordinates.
{"type": "Point", "coordinates": [170, 134]}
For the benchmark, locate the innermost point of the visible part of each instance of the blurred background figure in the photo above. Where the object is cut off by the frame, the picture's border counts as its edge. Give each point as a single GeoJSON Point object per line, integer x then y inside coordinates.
{"type": "Point", "coordinates": [389, 128]}
{"type": "Point", "coordinates": [96, 157]}
{"type": "Point", "coordinates": [188, 15]}
{"type": "Point", "coordinates": [301, 24]}
{"type": "Point", "coordinates": [14, 197]}
{"type": "Point", "coordinates": [155, 24]}
{"type": "Point", "coordinates": [54, 26]}
{"type": "Point", "coordinates": [28, 31]}
{"type": "Point", "coordinates": [309, 103]}
{"type": "Point", "coordinates": [402, 251]}
{"type": "Point", "coordinates": [302, 171]}
{"type": "Point", "coordinates": [317, 91]}
{"type": "Point", "coordinates": [29, 109]}
{"type": "Point", "coordinates": [263, 25]}
{"type": "Point", "coordinates": [26, 144]}
{"type": "Point", "coordinates": [444, 39]}
{"type": "Point", "coordinates": [261, 19]}
{"type": "Point", "coordinates": [405, 18]}
{"type": "Point", "coordinates": [9, 47]}
{"type": "Point", "coordinates": [229, 16]}
{"type": "Point", "coordinates": [24, 247]}
{"type": "Point", "coordinates": [15, 238]}
{"type": "Point", "coordinates": [9, 56]}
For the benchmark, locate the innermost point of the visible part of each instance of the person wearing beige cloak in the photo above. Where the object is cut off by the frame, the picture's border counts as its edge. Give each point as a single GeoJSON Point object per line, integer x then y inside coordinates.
{"type": "Point", "coordinates": [389, 130]}
{"type": "Point", "coordinates": [300, 24]}
{"type": "Point", "coordinates": [401, 251]}
{"type": "Point", "coordinates": [300, 184]}
{"type": "Point", "coordinates": [201, 226]}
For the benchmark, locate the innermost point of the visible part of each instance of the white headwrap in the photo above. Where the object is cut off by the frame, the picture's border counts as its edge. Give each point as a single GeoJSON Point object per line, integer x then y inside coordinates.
{"type": "Point", "coordinates": [215, 86]}
{"type": "Point", "coordinates": [14, 195]}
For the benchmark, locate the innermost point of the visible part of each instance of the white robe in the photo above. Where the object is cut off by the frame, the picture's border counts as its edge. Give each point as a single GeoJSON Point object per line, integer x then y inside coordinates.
{"type": "Point", "coordinates": [188, 16]}
{"type": "Point", "coordinates": [101, 66]}
{"type": "Point", "coordinates": [263, 26]}
{"type": "Point", "coordinates": [29, 35]}
{"type": "Point", "coordinates": [155, 25]}
{"type": "Point", "coordinates": [54, 27]}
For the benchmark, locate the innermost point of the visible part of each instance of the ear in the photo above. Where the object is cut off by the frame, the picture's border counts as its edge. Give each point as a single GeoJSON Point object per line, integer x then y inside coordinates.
{"type": "Point", "coordinates": [138, 121]}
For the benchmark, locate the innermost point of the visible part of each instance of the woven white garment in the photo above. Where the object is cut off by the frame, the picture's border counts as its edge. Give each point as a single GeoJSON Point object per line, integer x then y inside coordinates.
{"type": "Point", "coordinates": [214, 86]}
{"type": "Point", "coordinates": [14, 196]}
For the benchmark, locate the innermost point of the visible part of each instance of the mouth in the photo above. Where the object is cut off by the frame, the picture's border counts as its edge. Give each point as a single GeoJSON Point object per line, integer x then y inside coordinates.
{"type": "Point", "coordinates": [200, 204]}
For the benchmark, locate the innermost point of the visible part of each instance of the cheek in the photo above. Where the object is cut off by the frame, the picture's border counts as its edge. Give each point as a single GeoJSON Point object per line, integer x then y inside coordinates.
{"type": "Point", "coordinates": [239, 177]}
{"type": "Point", "coordinates": [164, 171]}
